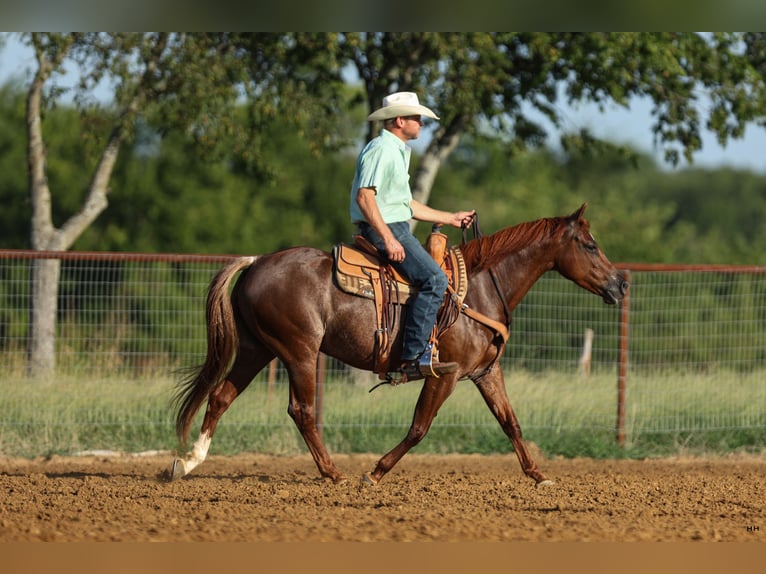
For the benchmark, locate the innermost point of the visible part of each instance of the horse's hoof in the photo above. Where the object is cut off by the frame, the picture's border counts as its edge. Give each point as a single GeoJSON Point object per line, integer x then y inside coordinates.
{"type": "Point", "coordinates": [545, 483]}
{"type": "Point", "coordinates": [177, 470]}
{"type": "Point", "coordinates": [368, 479]}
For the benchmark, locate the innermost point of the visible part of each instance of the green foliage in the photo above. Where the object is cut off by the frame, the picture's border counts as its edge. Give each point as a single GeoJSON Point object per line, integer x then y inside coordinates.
{"type": "Point", "coordinates": [229, 128]}
{"type": "Point", "coordinates": [514, 81]}
{"type": "Point", "coordinates": [14, 196]}
{"type": "Point", "coordinates": [638, 212]}
{"type": "Point", "coordinates": [174, 201]}
{"type": "Point", "coordinates": [166, 197]}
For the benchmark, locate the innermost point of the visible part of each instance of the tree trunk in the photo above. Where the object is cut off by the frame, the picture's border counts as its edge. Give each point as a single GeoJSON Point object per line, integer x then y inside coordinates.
{"type": "Point", "coordinates": [44, 236]}
{"type": "Point", "coordinates": [42, 316]}
{"type": "Point", "coordinates": [45, 273]}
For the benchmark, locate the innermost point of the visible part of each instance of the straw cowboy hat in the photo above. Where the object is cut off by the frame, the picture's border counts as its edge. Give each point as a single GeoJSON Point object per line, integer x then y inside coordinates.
{"type": "Point", "coordinates": [401, 104]}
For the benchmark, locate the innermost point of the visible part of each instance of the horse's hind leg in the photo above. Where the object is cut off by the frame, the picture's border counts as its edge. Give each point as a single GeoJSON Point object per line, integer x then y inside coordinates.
{"type": "Point", "coordinates": [302, 410]}
{"type": "Point", "coordinates": [492, 388]}
{"type": "Point", "coordinates": [245, 367]}
{"type": "Point", "coordinates": [432, 396]}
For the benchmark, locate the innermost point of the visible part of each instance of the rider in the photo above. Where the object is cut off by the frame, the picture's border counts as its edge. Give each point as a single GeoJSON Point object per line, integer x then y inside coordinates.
{"type": "Point", "coordinates": [382, 205]}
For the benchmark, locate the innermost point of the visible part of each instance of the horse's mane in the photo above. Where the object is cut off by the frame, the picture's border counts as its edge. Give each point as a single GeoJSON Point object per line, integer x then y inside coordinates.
{"type": "Point", "coordinates": [484, 252]}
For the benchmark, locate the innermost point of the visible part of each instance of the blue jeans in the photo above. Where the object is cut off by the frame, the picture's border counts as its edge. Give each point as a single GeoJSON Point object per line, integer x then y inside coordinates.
{"type": "Point", "coordinates": [424, 273]}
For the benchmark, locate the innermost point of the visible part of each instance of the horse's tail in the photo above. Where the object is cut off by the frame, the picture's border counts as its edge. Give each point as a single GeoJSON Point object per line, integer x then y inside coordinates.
{"type": "Point", "coordinates": [222, 343]}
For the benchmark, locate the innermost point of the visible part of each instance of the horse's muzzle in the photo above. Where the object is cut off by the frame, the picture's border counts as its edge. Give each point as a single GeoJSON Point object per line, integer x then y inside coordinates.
{"type": "Point", "coordinates": [616, 289]}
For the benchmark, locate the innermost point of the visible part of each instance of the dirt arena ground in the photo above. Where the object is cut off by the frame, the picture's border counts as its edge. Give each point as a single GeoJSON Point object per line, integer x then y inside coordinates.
{"type": "Point", "coordinates": [260, 498]}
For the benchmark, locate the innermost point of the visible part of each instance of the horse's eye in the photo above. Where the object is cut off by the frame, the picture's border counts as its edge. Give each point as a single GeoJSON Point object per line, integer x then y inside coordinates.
{"type": "Point", "coordinates": [588, 242]}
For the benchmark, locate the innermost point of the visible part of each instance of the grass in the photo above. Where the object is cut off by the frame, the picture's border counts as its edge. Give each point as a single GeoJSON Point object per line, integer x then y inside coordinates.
{"type": "Point", "coordinates": [563, 415]}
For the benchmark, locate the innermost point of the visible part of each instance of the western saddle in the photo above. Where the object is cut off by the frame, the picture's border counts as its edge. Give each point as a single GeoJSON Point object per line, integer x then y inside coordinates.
{"type": "Point", "coordinates": [359, 270]}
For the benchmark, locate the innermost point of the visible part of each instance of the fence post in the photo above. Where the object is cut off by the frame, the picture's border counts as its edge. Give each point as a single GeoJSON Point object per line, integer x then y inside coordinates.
{"type": "Point", "coordinates": [583, 364]}
{"type": "Point", "coordinates": [622, 363]}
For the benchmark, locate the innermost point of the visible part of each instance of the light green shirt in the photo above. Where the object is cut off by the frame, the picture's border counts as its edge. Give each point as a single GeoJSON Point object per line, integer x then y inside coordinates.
{"type": "Point", "coordinates": [384, 165]}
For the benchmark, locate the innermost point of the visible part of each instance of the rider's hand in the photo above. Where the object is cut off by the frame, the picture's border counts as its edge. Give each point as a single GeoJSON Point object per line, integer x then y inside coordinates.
{"type": "Point", "coordinates": [463, 218]}
{"type": "Point", "coordinates": [394, 250]}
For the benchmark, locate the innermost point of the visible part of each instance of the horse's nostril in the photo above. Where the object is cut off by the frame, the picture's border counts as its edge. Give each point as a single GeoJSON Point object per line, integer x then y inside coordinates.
{"type": "Point", "coordinates": [624, 287]}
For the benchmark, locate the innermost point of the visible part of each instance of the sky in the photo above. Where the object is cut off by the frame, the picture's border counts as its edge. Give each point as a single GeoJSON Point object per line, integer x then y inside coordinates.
{"type": "Point", "coordinates": [616, 124]}
{"type": "Point", "coordinates": [632, 126]}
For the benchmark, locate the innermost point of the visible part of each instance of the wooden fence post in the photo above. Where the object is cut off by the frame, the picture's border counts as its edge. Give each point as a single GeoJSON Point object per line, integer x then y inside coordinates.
{"type": "Point", "coordinates": [622, 364]}
{"type": "Point", "coordinates": [587, 352]}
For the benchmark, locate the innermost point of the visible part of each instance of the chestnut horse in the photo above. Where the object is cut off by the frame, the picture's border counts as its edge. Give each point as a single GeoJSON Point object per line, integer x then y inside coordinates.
{"type": "Point", "coordinates": [286, 305]}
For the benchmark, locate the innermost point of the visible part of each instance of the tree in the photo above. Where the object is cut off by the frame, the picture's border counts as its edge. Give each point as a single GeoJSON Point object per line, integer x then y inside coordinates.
{"type": "Point", "coordinates": [510, 84]}
{"type": "Point", "coordinates": [190, 82]}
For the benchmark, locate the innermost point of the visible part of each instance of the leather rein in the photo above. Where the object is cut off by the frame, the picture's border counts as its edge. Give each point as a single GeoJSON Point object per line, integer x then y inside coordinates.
{"type": "Point", "coordinates": [502, 330]}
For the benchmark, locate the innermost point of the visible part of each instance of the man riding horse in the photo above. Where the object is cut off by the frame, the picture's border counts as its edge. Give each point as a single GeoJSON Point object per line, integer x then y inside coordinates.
{"type": "Point", "coordinates": [381, 205]}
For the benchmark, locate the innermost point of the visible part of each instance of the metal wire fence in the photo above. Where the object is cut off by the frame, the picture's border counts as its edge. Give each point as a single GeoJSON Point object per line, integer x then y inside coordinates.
{"type": "Point", "coordinates": [686, 351]}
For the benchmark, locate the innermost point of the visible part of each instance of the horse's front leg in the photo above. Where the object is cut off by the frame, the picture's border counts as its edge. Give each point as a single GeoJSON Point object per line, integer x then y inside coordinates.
{"type": "Point", "coordinates": [435, 391]}
{"type": "Point", "coordinates": [492, 388]}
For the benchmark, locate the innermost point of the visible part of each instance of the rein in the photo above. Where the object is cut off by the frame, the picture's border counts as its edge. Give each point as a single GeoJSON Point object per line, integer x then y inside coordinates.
{"type": "Point", "coordinates": [478, 235]}
{"type": "Point", "coordinates": [502, 330]}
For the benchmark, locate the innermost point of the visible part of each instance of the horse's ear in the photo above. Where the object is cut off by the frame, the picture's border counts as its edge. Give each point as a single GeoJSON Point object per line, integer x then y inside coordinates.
{"type": "Point", "coordinates": [578, 214]}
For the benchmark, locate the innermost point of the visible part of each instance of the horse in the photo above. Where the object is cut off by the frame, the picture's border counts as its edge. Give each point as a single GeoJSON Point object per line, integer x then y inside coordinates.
{"type": "Point", "coordinates": [286, 305]}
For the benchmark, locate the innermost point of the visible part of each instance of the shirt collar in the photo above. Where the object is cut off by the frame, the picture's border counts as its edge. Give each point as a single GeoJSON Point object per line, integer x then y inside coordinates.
{"type": "Point", "coordinates": [388, 136]}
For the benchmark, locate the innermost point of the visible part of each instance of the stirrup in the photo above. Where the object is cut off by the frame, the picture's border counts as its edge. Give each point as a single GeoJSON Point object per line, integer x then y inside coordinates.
{"type": "Point", "coordinates": [409, 371]}
{"type": "Point", "coordinates": [416, 369]}
{"type": "Point", "coordinates": [430, 366]}
{"type": "Point", "coordinates": [426, 360]}
{"type": "Point", "coordinates": [423, 366]}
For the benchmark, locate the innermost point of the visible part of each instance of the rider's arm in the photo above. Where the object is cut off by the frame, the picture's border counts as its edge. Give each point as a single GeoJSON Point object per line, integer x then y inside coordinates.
{"type": "Point", "coordinates": [422, 212]}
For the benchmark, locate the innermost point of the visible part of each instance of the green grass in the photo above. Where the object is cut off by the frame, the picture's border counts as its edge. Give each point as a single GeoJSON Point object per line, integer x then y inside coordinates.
{"type": "Point", "coordinates": [563, 415]}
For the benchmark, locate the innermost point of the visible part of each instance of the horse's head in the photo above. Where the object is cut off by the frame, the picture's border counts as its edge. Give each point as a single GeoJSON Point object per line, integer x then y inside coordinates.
{"type": "Point", "coordinates": [582, 261]}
